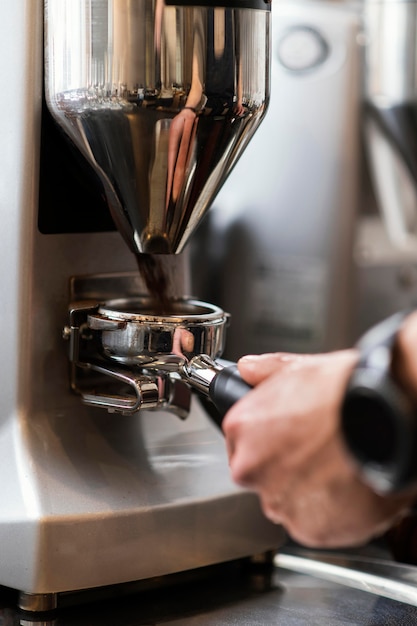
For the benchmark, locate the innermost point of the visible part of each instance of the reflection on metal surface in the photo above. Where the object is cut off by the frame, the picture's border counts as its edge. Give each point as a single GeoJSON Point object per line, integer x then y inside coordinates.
{"type": "Point", "coordinates": [371, 575]}
{"type": "Point", "coordinates": [161, 100]}
{"type": "Point", "coordinates": [37, 601]}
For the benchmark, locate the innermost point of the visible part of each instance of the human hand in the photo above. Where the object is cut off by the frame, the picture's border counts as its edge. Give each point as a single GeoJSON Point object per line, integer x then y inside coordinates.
{"type": "Point", "coordinates": [284, 442]}
{"type": "Point", "coordinates": [239, 109]}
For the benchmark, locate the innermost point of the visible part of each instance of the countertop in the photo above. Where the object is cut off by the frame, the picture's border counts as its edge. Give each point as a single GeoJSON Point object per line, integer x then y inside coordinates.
{"type": "Point", "coordinates": [300, 588]}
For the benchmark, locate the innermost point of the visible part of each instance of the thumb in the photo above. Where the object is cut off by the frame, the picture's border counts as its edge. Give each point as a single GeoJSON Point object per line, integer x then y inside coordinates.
{"type": "Point", "coordinates": [254, 368]}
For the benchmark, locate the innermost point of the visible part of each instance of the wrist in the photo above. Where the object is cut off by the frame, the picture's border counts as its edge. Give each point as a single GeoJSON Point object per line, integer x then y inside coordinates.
{"type": "Point", "coordinates": [379, 416]}
{"type": "Point", "coordinates": [404, 357]}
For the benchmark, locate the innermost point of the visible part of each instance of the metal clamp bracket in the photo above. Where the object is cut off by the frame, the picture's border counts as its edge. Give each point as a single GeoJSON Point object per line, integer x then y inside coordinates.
{"type": "Point", "coordinates": [119, 389]}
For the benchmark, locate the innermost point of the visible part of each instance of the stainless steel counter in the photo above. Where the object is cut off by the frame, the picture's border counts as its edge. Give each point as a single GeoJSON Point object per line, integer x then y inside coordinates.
{"type": "Point", "coordinates": [249, 595]}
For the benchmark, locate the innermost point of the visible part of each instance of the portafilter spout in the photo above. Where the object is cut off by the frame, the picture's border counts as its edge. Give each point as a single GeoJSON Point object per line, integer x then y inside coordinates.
{"type": "Point", "coordinates": [161, 97]}
{"type": "Point", "coordinates": [217, 380]}
{"type": "Point", "coordinates": [220, 382]}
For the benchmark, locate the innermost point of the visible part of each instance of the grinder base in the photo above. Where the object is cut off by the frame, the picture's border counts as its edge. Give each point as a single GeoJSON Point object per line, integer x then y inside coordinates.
{"type": "Point", "coordinates": [133, 498]}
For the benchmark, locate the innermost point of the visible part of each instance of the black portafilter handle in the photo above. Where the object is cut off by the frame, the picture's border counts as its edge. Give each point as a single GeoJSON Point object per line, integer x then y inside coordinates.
{"type": "Point", "coordinates": [218, 381]}
{"type": "Point", "coordinates": [226, 388]}
{"type": "Point", "coordinates": [378, 419]}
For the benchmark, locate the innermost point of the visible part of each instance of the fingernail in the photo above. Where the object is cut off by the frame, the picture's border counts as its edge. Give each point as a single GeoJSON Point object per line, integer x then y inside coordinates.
{"type": "Point", "coordinates": [248, 358]}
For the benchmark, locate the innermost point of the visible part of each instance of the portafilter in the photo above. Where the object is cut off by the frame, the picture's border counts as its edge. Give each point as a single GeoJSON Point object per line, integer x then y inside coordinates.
{"type": "Point", "coordinates": [156, 358]}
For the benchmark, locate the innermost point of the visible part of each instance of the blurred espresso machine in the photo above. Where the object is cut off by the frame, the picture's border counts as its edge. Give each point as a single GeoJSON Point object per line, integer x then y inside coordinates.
{"type": "Point", "coordinates": [127, 113]}
{"type": "Point", "coordinates": [281, 241]}
{"type": "Point", "coordinates": [321, 243]}
{"type": "Point", "coordinates": [386, 246]}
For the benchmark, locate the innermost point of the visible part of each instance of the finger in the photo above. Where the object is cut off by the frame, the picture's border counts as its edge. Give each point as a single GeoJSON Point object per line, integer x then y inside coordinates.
{"type": "Point", "coordinates": [187, 341]}
{"type": "Point", "coordinates": [255, 368]}
{"type": "Point", "coordinates": [245, 426]}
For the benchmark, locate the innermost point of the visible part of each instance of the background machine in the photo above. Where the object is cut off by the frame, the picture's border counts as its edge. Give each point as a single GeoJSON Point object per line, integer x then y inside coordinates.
{"type": "Point", "coordinates": [281, 240]}
{"type": "Point", "coordinates": [320, 244]}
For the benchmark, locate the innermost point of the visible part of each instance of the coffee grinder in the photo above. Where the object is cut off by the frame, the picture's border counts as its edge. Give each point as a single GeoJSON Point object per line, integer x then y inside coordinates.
{"type": "Point", "coordinates": [147, 106]}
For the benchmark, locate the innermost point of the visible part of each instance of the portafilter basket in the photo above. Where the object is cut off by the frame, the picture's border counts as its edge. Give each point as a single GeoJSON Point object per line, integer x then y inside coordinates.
{"type": "Point", "coordinates": [131, 333]}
